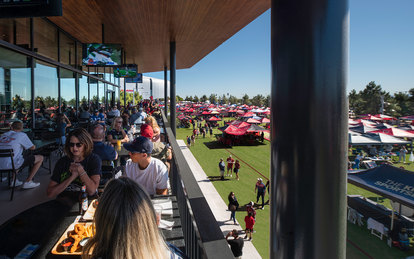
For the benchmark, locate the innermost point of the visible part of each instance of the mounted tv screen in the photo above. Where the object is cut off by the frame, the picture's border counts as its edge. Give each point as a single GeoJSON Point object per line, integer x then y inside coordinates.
{"type": "Point", "coordinates": [99, 54]}
{"type": "Point", "coordinates": [126, 71]}
{"type": "Point", "coordinates": [137, 79]}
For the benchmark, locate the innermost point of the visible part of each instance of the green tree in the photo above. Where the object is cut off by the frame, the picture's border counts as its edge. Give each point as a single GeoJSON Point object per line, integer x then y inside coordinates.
{"type": "Point", "coordinates": [189, 98]}
{"type": "Point", "coordinates": [213, 98]}
{"type": "Point", "coordinates": [195, 99]}
{"type": "Point", "coordinates": [223, 99]}
{"type": "Point", "coordinates": [245, 99]}
{"type": "Point", "coordinates": [203, 98]}
{"type": "Point", "coordinates": [372, 97]}
{"type": "Point", "coordinates": [177, 98]}
{"type": "Point", "coordinates": [233, 99]}
{"type": "Point", "coordinates": [258, 100]}
{"type": "Point", "coordinates": [267, 101]}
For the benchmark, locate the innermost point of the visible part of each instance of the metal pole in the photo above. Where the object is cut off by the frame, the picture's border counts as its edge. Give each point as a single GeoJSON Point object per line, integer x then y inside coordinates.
{"type": "Point", "coordinates": [124, 93]}
{"type": "Point", "coordinates": [172, 86]}
{"type": "Point", "coordinates": [32, 83]}
{"type": "Point", "coordinates": [150, 88]}
{"type": "Point", "coordinates": [309, 50]}
{"type": "Point", "coordinates": [165, 92]}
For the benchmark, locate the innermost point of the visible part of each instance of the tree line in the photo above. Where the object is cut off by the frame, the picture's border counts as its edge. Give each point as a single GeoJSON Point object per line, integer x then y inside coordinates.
{"type": "Point", "coordinates": [258, 100]}
{"type": "Point", "coordinates": [373, 100]}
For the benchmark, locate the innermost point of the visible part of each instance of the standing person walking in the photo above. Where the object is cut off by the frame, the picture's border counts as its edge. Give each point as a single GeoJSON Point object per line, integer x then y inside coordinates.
{"type": "Point", "coordinates": [233, 206]}
{"type": "Point", "coordinates": [236, 169]}
{"type": "Point", "coordinates": [249, 220]}
{"type": "Point", "coordinates": [188, 141]}
{"type": "Point", "coordinates": [230, 162]}
{"type": "Point", "coordinates": [222, 166]}
{"type": "Point", "coordinates": [261, 190]}
{"type": "Point", "coordinates": [403, 152]}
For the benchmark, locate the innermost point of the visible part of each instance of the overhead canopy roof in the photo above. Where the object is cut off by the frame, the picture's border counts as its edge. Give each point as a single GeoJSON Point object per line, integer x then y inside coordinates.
{"type": "Point", "coordinates": [146, 27]}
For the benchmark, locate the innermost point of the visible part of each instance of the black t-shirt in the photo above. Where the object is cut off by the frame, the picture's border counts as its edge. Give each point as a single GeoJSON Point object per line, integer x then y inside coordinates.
{"type": "Point", "coordinates": [92, 165]}
{"type": "Point", "coordinates": [236, 246]}
{"type": "Point", "coordinates": [116, 134]}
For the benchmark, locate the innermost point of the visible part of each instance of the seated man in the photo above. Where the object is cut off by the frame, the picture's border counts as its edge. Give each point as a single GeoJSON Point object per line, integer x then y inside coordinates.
{"type": "Point", "coordinates": [98, 117]}
{"type": "Point", "coordinates": [104, 151]}
{"type": "Point", "coordinates": [159, 151]}
{"type": "Point", "coordinates": [150, 172]}
{"type": "Point", "coordinates": [19, 141]}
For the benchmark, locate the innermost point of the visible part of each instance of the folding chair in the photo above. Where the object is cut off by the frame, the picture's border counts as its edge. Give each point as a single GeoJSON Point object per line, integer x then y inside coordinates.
{"type": "Point", "coordinates": [10, 154]}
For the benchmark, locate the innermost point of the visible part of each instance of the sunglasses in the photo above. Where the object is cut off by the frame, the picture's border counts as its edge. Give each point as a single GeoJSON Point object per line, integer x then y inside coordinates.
{"type": "Point", "coordinates": [71, 144]}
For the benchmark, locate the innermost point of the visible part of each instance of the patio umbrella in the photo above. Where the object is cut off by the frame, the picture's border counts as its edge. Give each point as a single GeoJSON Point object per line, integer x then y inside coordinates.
{"type": "Point", "coordinates": [265, 120]}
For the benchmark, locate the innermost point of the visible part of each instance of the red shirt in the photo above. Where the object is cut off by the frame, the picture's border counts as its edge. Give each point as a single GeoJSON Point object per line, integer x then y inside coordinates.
{"type": "Point", "coordinates": [230, 162]}
{"type": "Point", "coordinates": [249, 221]}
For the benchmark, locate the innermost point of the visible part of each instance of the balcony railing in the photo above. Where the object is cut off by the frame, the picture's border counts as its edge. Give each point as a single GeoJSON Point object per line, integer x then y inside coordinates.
{"type": "Point", "coordinates": [202, 235]}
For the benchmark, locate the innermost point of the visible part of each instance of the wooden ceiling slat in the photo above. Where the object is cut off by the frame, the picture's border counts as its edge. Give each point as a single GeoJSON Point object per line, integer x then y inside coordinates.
{"type": "Point", "coordinates": [145, 27]}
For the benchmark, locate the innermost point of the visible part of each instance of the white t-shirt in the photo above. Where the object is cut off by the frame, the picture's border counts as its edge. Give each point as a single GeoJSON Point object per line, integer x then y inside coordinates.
{"type": "Point", "coordinates": [155, 176]}
{"type": "Point", "coordinates": [19, 141]}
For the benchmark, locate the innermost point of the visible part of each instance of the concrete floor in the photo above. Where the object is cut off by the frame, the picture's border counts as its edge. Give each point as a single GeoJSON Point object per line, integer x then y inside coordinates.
{"type": "Point", "coordinates": [24, 199]}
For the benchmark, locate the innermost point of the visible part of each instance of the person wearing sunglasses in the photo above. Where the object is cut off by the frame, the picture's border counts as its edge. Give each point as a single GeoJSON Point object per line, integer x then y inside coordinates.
{"type": "Point", "coordinates": [117, 132]}
{"type": "Point", "coordinates": [77, 168]}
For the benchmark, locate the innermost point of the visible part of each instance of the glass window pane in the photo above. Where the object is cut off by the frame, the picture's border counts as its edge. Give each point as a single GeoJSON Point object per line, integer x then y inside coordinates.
{"type": "Point", "coordinates": [67, 50]}
{"type": "Point", "coordinates": [45, 38]}
{"type": "Point", "coordinates": [67, 89]}
{"type": "Point", "coordinates": [15, 87]}
{"type": "Point", "coordinates": [93, 94]}
{"type": "Point", "coordinates": [101, 95]}
{"type": "Point", "coordinates": [46, 89]}
{"type": "Point", "coordinates": [83, 91]}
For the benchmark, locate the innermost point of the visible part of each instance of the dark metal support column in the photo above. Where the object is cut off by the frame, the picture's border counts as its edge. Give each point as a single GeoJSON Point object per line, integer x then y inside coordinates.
{"type": "Point", "coordinates": [32, 84]}
{"type": "Point", "coordinates": [58, 73]}
{"type": "Point", "coordinates": [309, 128]}
{"type": "Point", "coordinates": [125, 104]}
{"type": "Point", "coordinates": [150, 87]}
{"type": "Point", "coordinates": [165, 92]}
{"type": "Point", "coordinates": [172, 87]}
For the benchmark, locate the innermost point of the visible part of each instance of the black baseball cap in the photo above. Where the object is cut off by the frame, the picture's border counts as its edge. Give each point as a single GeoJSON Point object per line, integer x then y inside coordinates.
{"type": "Point", "coordinates": [140, 145]}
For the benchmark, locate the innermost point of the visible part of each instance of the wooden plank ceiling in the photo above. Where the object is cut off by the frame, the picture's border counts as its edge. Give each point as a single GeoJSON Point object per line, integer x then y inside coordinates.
{"type": "Point", "coordinates": [145, 27]}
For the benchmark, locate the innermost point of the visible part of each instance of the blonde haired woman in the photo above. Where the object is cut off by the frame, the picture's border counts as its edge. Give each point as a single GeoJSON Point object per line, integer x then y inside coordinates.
{"type": "Point", "coordinates": [117, 132]}
{"type": "Point", "coordinates": [126, 225]}
{"type": "Point", "coordinates": [153, 123]}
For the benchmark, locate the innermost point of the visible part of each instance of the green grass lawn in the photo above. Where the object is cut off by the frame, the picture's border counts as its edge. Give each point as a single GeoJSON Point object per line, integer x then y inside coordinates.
{"type": "Point", "coordinates": [208, 153]}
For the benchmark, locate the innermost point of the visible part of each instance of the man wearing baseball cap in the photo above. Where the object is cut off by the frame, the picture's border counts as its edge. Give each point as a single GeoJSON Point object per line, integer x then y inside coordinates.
{"type": "Point", "coordinates": [160, 151]}
{"type": "Point", "coordinates": [261, 190]}
{"type": "Point", "coordinates": [150, 172]}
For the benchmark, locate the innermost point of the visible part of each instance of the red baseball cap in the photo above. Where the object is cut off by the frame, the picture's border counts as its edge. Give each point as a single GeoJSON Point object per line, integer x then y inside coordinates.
{"type": "Point", "coordinates": [147, 131]}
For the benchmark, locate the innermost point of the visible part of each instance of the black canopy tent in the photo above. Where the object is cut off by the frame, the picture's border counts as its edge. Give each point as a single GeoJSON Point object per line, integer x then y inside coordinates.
{"type": "Point", "coordinates": [388, 181]}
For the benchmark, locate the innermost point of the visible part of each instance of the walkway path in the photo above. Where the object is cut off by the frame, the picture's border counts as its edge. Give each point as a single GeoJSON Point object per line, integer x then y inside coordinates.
{"type": "Point", "coordinates": [214, 200]}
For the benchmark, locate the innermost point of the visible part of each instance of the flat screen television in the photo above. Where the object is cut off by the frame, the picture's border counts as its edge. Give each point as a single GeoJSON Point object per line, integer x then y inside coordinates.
{"type": "Point", "coordinates": [130, 70]}
{"type": "Point", "coordinates": [100, 54]}
{"type": "Point", "coordinates": [137, 79]}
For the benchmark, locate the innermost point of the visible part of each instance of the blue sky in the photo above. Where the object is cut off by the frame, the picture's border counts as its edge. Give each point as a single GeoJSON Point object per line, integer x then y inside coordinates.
{"type": "Point", "coordinates": [381, 50]}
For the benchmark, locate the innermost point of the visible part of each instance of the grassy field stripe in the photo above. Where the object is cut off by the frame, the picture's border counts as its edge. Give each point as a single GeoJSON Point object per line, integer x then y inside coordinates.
{"type": "Point", "coordinates": [241, 160]}
{"type": "Point", "coordinates": [359, 248]}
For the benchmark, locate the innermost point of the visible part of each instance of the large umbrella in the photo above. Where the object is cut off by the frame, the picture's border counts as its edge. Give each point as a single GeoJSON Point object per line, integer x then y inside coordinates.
{"type": "Point", "coordinates": [265, 120]}
{"type": "Point", "coordinates": [248, 114]}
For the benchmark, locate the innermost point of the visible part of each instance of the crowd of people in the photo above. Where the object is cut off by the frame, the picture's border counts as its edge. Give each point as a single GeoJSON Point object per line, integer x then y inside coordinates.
{"type": "Point", "coordinates": [145, 173]}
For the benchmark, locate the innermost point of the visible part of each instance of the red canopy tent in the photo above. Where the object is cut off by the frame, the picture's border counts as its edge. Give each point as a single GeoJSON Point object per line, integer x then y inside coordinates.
{"type": "Point", "coordinates": [232, 130]}
{"type": "Point", "coordinates": [251, 120]}
{"type": "Point", "coordinates": [395, 132]}
{"type": "Point", "coordinates": [265, 120]}
{"type": "Point", "coordinates": [205, 113]}
{"type": "Point", "coordinates": [214, 119]}
{"type": "Point", "coordinates": [248, 114]}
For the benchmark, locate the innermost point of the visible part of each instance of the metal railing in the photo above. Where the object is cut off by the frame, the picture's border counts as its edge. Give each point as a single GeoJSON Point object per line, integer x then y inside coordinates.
{"type": "Point", "coordinates": [202, 235]}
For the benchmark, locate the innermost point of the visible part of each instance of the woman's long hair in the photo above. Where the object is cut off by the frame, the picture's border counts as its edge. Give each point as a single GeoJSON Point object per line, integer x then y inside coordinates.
{"type": "Point", "coordinates": [84, 138]}
{"type": "Point", "coordinates": [126, 225]}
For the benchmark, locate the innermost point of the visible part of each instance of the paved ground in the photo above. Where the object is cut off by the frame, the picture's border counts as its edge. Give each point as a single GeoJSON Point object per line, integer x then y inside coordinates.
{"type": "Point", "coordinates": [216, 203]}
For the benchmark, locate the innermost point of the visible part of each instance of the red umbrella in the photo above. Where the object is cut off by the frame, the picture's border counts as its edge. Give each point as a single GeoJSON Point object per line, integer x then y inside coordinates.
{"type": "Point", "coordinates": [395, 132]}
